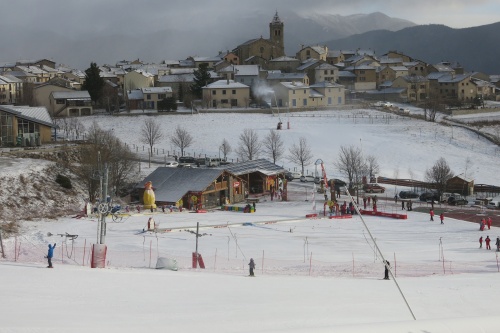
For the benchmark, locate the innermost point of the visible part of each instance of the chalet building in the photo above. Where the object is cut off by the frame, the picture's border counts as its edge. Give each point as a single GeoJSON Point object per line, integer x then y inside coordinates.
{"type": "Point", "coordinates": [38, 63]}
{"type": "Point", "coordinates": [260, 176]}
{"type": "Point", "coordinates": [211, 187]}
{"type": "Point", "coordinates": [70, 104]}
{"type": "Point", "coordinates": [138, 79]}
{"type": "Point", "coordinates": [225, 94]}
{"type": "Point", "coordinates": [460, 184]}
{"type": "Point", "coordinates": [335, 57]}
{"type": "Point", "coordinates": [24, 126]}
{"type": "Point", "coordinates": [41, 75]}
{"type": "Point", "coordinates": [267, 49]}
{"type": "Point", "coordinates": [42, 92]}
{"type": "Point", "coordinates": [366, 77]}
{"type": "Point", "coordinates": [296, 95]}
{"type": "Point", "coordinates": [399, 55]}
{"type": "Point", "coordinates": [182, 80]}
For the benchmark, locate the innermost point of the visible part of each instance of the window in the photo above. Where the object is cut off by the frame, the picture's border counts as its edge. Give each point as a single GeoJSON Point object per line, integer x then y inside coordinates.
{"type": "Point", "coordinates": [339, 100]}
{"type": "Point", "coordinates": [233, 91]}
{"type": "Point", "coordinates": [294, 102]}
{"type": "Point", "coordinates": [148, 96]}
{"type": "Point", "coordinates": [329, 100]}
{"type": "Point", "coordinates": [293, 92]}
{"type": "Point", "coordinates": [161, 96]}
{"type": "Point", "coordinates": [261, 49]}
{"type": "Point", "coordinates": [325, 72]}
{"type": "Point", "coordinates": [224, 92]}
{"type": "Point", "coordinates": [234, 102]}
{"type": "Point", "coordinates": [60, 101]}
{"type": "Point", "coordinates": [224, 101]}
{"type": "Point", "coordinates": [304, 102]}
{"type": "Point", "coordinates": [214, 92]}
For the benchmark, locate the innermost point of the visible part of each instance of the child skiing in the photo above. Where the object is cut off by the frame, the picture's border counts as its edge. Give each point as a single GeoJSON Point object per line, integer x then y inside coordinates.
{"type": "Point", "coordinates": [498, 244]}
{"type": "Point", "coordinates": [431, 213]}
{"type": "Point", "coordinates": [480, 242]}
{"type": "Point", "coordinates": [441, 217]}
{"type": "Point", "coordinates": [50, 254]}
{"type": "Point", "coordinates": [251, 264]}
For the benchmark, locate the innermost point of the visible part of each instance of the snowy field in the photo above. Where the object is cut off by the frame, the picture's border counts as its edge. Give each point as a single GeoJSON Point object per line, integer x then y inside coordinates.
{"type": "Point", "coordinates": [402, 145]}
{"type": "Point", "coordinates": [312, 275]}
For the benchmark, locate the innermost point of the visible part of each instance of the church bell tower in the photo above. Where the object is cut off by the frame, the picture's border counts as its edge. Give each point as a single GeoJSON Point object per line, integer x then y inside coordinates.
{"type": "Point", "coordinates": [277, 35]}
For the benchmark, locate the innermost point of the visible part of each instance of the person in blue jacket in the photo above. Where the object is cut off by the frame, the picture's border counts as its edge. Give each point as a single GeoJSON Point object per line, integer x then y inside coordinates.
{"type": "Point", "coordinates": [50, 254]}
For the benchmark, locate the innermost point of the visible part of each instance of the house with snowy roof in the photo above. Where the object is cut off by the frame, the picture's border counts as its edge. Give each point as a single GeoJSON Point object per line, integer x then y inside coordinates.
{"type": "Point", "coordinates": [319, 71]}
{"type": "Point", "coordinates": [225, 94]}
{"type": "Point", "coordinates": [417, 87]}
{"type": "Point", "coordinates": [296, 95]}
{"type": "Point", "coordinates": [390, 73]}
{"type": "Point", "coordinates": [70, 103]}
{"type": "Point", "coordinates": [284, 64]}
{"type": "Point", "coordinates": [317, 52]}
{"type": "Point", "coordinates": [10, 89]}
{"type": "Point", "coordinates": [147, 98]}
{"type": "Point", "coordinates": [137, 79]}
{"type": "Point", "coordinates": [25, 126]}
{"type": "Point", "coordinates": [448, 86]}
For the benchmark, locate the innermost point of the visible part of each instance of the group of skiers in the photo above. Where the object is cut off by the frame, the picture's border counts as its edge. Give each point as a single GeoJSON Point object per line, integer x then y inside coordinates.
{"type": "Point", "coordinates": [487, 241]}
{"type": "Point", "coordinates": [441, 216]}
{"type": "Point", "coordinates": [485, 222]}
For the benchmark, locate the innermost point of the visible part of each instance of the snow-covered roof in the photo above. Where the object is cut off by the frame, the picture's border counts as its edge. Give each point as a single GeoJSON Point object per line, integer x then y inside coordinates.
{"type": "Point", "coordinates": [37, 114]}
{"type": "Point", "coordinates": [135, 94]}
{"type": "Point", "coordinates": [156, 90]}
{"type": "Point", "coordinates": [283, 59]}
{"type": "Point", "coordinates": [260, 165]}
{"type": "Point", "coordinates": [74, 95]}
{"type": "Point", "coordinates": [294, 85]}
{"type": "Point", "coordinates": [171, 184]}
{"type": "Point", "coordinates": [176, 78]}
{"type": "Point", "coordinates": [225, 84]}
{"type": "Point", "coordinates": [285, 76]}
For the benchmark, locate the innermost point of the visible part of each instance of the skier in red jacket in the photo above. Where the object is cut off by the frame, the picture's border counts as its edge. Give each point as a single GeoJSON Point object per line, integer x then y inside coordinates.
{"type": "Point", "coordinates": [487, 241]}
{"type": "Point", "coordinates": [441, 217]}
{"type": "Point", "coordinates": [431, 213]}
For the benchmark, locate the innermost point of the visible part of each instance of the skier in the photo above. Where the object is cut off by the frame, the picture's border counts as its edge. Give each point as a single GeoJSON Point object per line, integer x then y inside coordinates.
{"type": "Point", "coordinates": [251, 264]}
{"type": "Point", "coordinates": [402, 205]}
{"type": "Point", "coordinates": [364, 202]}
{"type": "Point", "coordinates": [387, 264]}
{"type": "Point", "coordinates": [481, 225]}
{"type": "Point", "coordinates": [50, 254]}
{"type": "Point", "coordinates": [489, 222]}
{"type": "Point", "coordinates": [441, 217]}
{"type": "Point", "coordinates": [487, 241]}
{"type": "Point", "coordinates": [431, 213]}
{"type": "Point", "coordinates": [480, 242]}
{"type": "Point", "coordinates": [497, 243]}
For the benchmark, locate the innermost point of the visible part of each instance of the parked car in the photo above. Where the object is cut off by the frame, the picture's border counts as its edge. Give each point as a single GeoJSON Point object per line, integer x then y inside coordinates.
{"type": "Point", "coordinates": [318, 180]}
{"type": "Point", "coordinates": [289, 176]}
{"type": "Point", "coordinates": [429, 196]}
{"type": "Point", "coordinates": [172, 164]}
{"type": "Point", "coordinates": [373, 188]}
{"type": "Point", "coordinates": [308, 178]}
{"type": "Point", "coordinates": [378, 104]}
{"type": "Point", "coordinates": [296, 174]}
{"type": "Point", "coordinates": [408, 195]}
{"type": "Point", "coordinates": [404, 110]}
{"type": "Point", "coordinates": [457, 201]}
{"type": "Point", "coordinates": [388, 105]}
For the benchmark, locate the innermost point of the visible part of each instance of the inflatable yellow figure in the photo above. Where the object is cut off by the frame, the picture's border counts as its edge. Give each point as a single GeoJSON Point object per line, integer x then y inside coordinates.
{"type": "Point", "coordinates": [149, 196]}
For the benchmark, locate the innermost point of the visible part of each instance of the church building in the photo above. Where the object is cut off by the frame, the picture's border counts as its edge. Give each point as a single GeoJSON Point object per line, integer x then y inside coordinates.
{"type": "Point", "coordinates": [266, 49]}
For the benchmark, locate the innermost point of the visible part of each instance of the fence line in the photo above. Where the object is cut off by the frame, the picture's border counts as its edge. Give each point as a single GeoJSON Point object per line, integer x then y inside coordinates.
{"type": "Point", "coordinates": [69, 254]}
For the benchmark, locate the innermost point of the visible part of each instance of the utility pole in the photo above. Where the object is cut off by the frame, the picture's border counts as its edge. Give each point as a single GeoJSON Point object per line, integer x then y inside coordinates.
{"type": "Point", "coordinates": [106, 203]}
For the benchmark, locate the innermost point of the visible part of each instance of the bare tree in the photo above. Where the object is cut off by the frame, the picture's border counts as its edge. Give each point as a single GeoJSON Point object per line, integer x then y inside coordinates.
{"type": "Point", "coordinates": [226, 148]}
{"type": "Point", "coordinates": [351, 164]}
{"type": "Point", "coordinates": [439, 174]}
{"type": "Point", "coordinates": [300, 154]}
{"type": "Point", "coordinates": [273, 145]}
{"type": "Point", "coordinates": [151, 133]}
{"type": "Point", "coordinates": [372, 166]}
{"type": "Point", "coordinates": [103, 147]}
{"type": "Point", "coordinates": [181, 139]}
{"type": "Point", "coordinates": [250, 146]}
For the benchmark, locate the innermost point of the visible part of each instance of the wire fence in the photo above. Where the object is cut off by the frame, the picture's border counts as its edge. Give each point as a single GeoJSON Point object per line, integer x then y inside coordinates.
{"type": "Point", "coordinates": [24, 251]}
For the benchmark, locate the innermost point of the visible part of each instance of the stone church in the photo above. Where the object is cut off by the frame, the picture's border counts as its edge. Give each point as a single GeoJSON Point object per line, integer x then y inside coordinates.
{"type": "Point", "coordinates": [261, 48]}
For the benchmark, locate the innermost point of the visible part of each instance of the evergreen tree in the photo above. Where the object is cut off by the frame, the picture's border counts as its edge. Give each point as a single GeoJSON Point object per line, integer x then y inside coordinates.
{"type": "Point", "coordinates": [93, 83]}
{"type": "Point", "coordinates": [201, 79]}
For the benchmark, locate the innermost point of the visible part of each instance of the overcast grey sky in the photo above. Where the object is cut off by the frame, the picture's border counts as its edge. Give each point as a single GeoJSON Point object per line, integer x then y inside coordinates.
{"type": "Point", "coordinates": [76, 32]}
{"type": "Point", "coordinates": [77, 16]}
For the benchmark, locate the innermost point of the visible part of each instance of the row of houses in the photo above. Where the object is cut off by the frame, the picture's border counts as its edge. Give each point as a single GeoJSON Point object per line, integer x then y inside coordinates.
{"type": "Point", "coordinates": [257, 69]}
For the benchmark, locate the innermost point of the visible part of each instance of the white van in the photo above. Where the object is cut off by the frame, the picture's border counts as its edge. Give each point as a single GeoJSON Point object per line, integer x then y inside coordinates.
{"type": "Point", "coordinates": [212, 161]}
